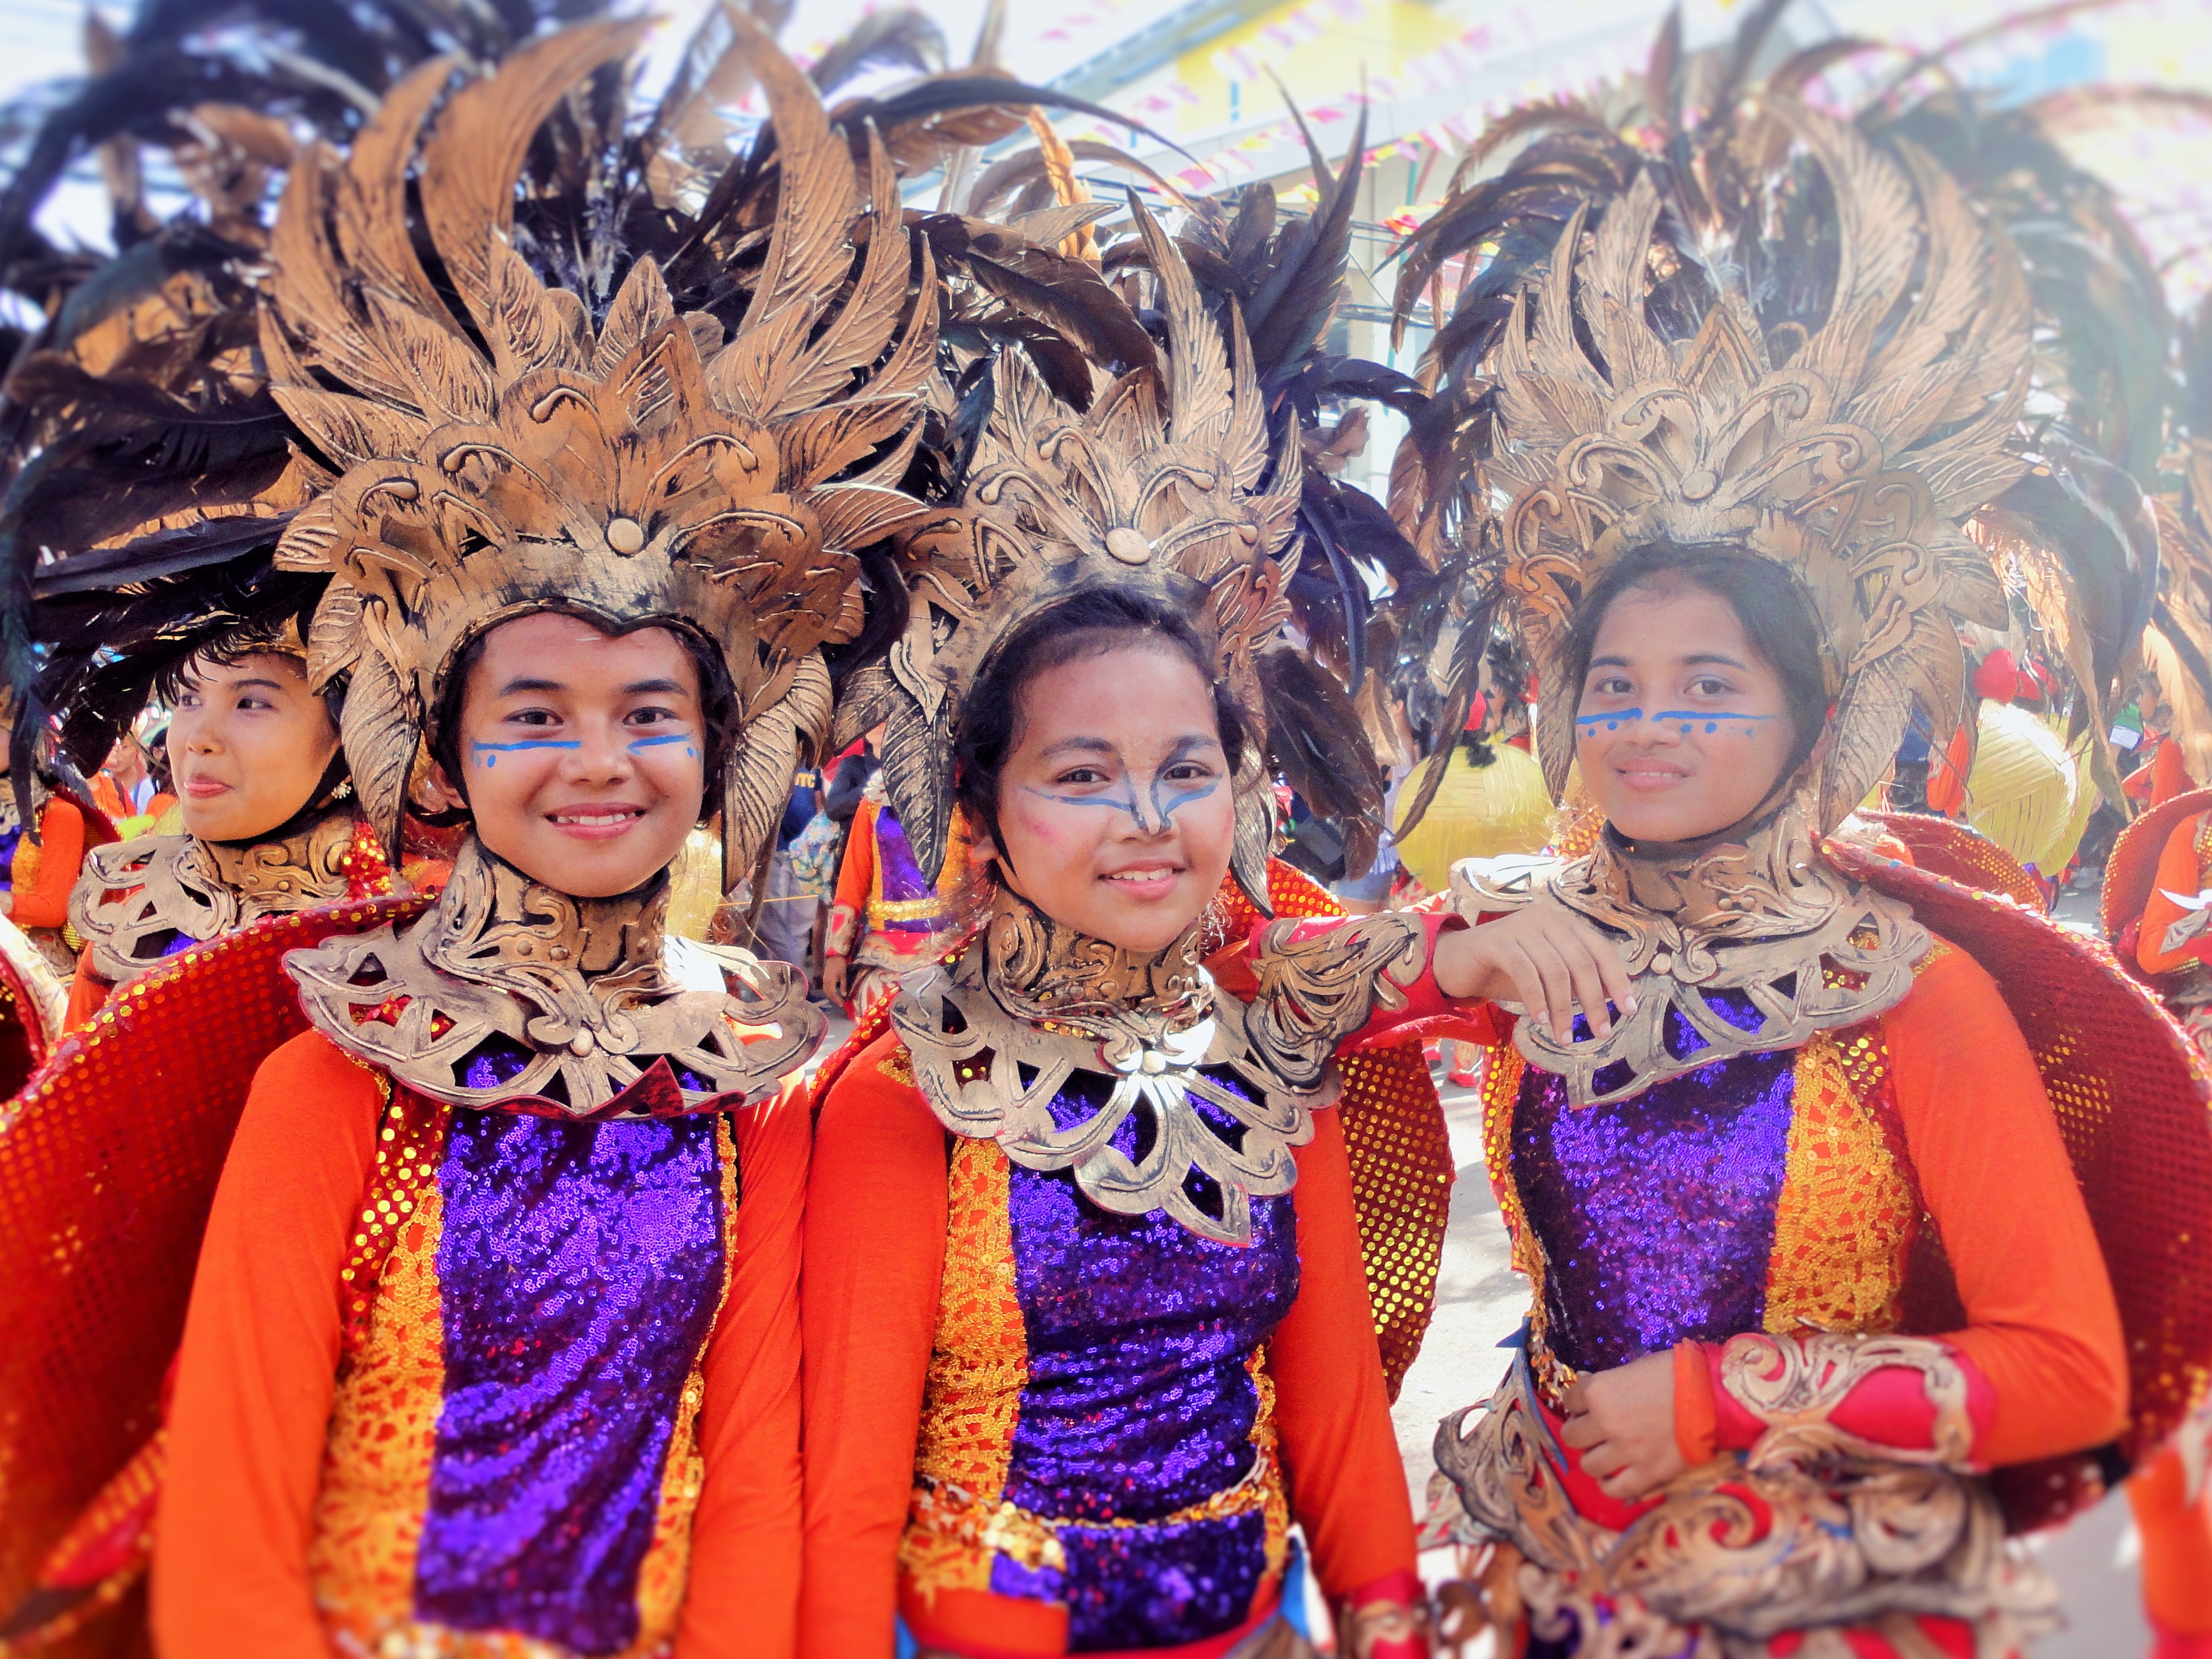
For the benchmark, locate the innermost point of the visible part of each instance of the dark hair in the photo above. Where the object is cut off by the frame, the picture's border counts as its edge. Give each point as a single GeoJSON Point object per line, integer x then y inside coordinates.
{"type": "Point", "coordinates": [233, 645]}
{"type": "Point", "coordinates": [717, 703]}
{"type": "Point", "coordinates": [1776, 615]}
{"type": "Point", "coordinates": [1084, 625]}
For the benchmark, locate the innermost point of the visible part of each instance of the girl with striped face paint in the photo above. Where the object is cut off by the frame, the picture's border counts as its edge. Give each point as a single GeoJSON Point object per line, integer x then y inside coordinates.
{"type": "Point", "coordinates": [1115, 813]}
{"type": "Point", "coordinates": [1686, 728]}
{"type": "Point", "coordinates": [580, 755]}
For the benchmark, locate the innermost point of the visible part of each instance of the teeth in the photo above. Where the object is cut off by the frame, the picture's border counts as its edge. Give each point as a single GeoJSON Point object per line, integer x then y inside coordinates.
{"type": "Point", "coordinates": [594, 819]}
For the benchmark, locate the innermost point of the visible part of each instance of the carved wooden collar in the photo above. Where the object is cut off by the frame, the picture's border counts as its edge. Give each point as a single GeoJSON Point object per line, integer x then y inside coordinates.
{"type": "Point", "coordinates": [509, 994]}
{"type": "Point", "coordinates": [137, 898]}
{"type": "Point", "coordinates": [1767, 916]}
{"type": "Point", "coordinates": [995, 1037]}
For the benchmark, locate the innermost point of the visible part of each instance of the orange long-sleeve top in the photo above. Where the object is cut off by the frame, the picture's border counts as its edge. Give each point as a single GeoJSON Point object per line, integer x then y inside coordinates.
{"type": "Point", "coordinates": [856, 881]}
{"type": "Point", "coordinates": [257, 1380]}
{"type": "Point", "coordinates": [2180, 870]}
{"type": "Point", "coordinates": [2042, 1326]}
{"type": "Point", "coordinates": [876, 1225]}
{"type": "Point", "coordinates": [2042, 1330]}
{"type": "Point", "coordinates": [43, 902]}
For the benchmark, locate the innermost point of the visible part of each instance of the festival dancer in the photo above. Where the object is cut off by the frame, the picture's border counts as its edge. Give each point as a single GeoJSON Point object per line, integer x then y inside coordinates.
{"type": "Point", "coordinates": [36, 873]}
{"type": "Point", "coordinates": [886, 916]}
{"type": "Point", "coordinates": [40, 869]}
{"type": "Point", "coordinates": [564, 1408]}
{"type": "Point", "coordinates": [1085, 1313]}
{"type": "Point", "coordinates": [577, 573]}
{"type": "Point", "coordinates": [1758, 1393]}
{"type": "Point", "coordinates": [270, 827]}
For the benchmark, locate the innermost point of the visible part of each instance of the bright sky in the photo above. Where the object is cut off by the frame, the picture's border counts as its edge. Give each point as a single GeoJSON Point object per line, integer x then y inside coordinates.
{"type": "Point", "coordinates": [1431, 71]}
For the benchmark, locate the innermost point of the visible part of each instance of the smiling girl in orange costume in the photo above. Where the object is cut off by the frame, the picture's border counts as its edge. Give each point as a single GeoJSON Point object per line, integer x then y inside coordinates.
{"type": "Point", "coordinates": [268, 825]}
{"type": "Point", "coordinates": [493, 1345]}
{"type": "Point", "coordinates": [1086, 1319]}
{"type": "Point", "coordinates": [1820, 1306]}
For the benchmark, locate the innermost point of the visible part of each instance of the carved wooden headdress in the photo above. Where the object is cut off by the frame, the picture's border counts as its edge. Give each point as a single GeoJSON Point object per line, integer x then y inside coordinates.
{"type": "Point", "coordinates": [513, 458]}
{"type": "Point", "coordinates": [1845, 452]}
{"type": "Point", "coordinates": [1165, 487]}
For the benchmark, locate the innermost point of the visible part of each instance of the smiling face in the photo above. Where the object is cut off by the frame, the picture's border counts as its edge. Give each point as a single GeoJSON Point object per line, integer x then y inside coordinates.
{"type": "Point", "coordinates": [1683, 728]}
{"type": "Point", "coordinates": [583, 754]}
{"type": "Point", "coordinates": [1114, 806]}
{"type": "Point", "coordinates": [249, 743]}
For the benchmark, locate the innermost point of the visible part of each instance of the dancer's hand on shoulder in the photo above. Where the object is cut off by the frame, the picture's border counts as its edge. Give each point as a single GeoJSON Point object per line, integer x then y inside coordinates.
{"type": "Point", "coordinates": [1544, 957]}
{"type": "Point", "coordinates": [1622, 1421]}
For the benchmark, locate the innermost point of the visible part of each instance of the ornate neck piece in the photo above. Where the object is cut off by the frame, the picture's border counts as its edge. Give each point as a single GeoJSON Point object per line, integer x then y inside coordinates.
{"type": "Point", "coordinates": [1766, 918]}
{"type": "Point", "coordinates": [11, 818]}
{"type": "Point", "coordinates": [999, 1035]}
{"type": "Point", "coordinates": [510, 994]}
{"type": "Point", "coordinates": [138, 898]}
{"type": "Point", "coordinates": [1043, 972]}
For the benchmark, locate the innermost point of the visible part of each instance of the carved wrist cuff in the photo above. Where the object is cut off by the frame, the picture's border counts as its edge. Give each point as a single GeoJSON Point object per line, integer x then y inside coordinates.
{"type": "Point", "coordinates": [1911, 1399]}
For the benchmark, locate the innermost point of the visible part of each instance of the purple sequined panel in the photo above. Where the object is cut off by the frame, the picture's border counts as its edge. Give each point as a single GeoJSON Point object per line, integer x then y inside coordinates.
{"type": "Point", "coordinates": [578, 1271]}
{"type": "Point", "coordinates": [1655, 1212]}
{"type": "Point", "coordinates": [1138, 1403]}
{"type": "Point", "coordinates": [9, 839]}
{"type": "Point", "coordinates": [499, 1059]}
{"type": "Point", "coordinates": [900, 875]}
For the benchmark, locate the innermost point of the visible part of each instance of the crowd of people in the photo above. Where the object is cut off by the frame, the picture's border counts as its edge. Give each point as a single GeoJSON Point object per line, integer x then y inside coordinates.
{"type": "Point", "coordinates": [528, 606]}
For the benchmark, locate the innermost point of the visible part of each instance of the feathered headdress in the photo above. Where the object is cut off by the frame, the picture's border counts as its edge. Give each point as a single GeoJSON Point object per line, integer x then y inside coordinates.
{"type": "Point", "coordinates": [1844, 436]}
{"type": "Point", "coordinates": [514, 458]}
{"type": "Point", "coordinates": [1166, 485]}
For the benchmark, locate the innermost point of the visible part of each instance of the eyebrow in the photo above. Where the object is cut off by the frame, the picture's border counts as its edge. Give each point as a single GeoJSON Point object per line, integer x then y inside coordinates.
{"type": "Point", "coordinates": [526, 682]}
{"type": "Point", "coordinates": [665, 688]}
{"type": "Point", "coordinates": [1696, 658]}
{"type": "Point", "coordinates": [274, 685]}
{"type": "Point", "coordinates": [1181, 747]}
{"type": "Point", "coordinates": [1084, 745]}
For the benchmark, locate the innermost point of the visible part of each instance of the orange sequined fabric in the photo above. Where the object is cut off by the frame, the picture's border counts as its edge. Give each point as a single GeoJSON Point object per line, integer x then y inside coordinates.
{"type": "Point", "coordinates": [2131, 1098]}
{"type": "Point", "coordinates": [977, 1374]}
{"type": "Point", "coordinates": [375, 1485]}
{"type": "Point", "coordinates": [1963, 854]}
{"type": "Point", "coordinates": [1396, 1142]}
{"type": "Point", "coordinates": [108, 1162]}
{"type": "Point", "coordinates": [1848, 1209]}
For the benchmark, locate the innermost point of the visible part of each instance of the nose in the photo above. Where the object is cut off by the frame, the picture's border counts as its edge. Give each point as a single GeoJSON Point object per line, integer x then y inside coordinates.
{"type": "Point", "coordinates": [1625, 722]}
{"type": "Point", "coordinates": [601, 757]}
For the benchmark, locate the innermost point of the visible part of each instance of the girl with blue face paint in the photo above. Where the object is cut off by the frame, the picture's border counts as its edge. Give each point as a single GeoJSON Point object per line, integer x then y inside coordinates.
{"type": "Point", "coordinates": [581, 754]}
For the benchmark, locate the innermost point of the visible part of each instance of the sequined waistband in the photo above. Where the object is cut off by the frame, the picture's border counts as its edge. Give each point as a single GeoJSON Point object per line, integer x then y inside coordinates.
{"type": "Point", "coordinates": [1033, 1541]}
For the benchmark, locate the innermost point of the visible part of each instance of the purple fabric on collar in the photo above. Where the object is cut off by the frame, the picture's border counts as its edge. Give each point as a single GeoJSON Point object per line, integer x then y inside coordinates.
{"type": "Point", "coordinates": [579, 1268]}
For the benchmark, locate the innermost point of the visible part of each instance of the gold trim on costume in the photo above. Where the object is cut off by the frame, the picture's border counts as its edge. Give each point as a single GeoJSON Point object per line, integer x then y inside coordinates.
{"type": "Point", "coordinates": [579, 984]}
{"type": "Point", "coordinates": [1808, 1529]}
{"type": "Point", "coordinates": [996, 1034]}
{"type": "Point", "coordinates": [136, 896]}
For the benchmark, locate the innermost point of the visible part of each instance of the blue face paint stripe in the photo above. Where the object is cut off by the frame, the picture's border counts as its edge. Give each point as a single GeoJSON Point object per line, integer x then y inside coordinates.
{"type": "Point", "coordinates": [654, 742]}
{"type": "Point", "coordinates": [490, 752]}
{"type": "Point", "coordinates": [1164, 809]}
{"type": "Point", "coordinates": [1711, 720]}
{"type": "Point", "coordinates": [1612, 722]}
